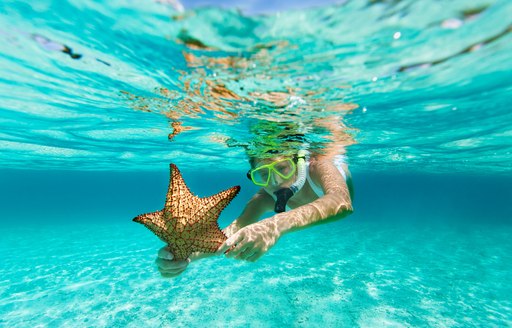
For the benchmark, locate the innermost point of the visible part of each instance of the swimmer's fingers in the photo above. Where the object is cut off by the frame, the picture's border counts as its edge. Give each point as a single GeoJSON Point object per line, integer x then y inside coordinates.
{"type": "Point", "coordinates": [165, 253]}
{"type": "Point", "coordinates": [169, 268]}
{"type": "Point", "coordinates": [238, 248]}
{"type": "Point", "coordinates": [231, 242]}
{"type": "Point", "coordinates": [245, 251]}
{"type": "Point", "coordinates": [254, 257]}
{"type": "Point", "coordinates": [169, 275]}
{"type": "Point", "coordinates": [167, 265]}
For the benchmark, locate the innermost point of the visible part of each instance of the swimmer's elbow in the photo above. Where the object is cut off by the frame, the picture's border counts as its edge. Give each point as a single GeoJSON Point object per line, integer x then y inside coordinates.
{"type": "Point", "coordinates": [348, 210]}
{"type": "Point", "coordinates": [344, 211]}
{"type": "Point", "coordinates": [342, 207]}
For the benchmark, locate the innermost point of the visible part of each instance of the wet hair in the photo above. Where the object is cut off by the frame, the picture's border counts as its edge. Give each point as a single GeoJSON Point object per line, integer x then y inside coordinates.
{"type": "Point", "coordinates": [269, 139]}
{"type": "Point", "coordinates": [272, 153]}
{"type": "Point", "coordinates": [268, 153]}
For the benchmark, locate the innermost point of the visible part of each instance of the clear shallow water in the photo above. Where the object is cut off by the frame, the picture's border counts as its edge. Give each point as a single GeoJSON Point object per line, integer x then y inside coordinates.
{"type": "Point", "coordinates": [103, 275]}
{"type": "Point", "coordinates": [425, 247]}
{"type": "Point", "coordinates": [409, 256]}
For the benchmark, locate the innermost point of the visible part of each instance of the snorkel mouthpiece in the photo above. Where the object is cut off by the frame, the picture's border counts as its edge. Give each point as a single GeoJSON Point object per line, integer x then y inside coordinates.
{"type": "Point", "coordinates": [284, 194]}
{"type": "Point", "coordinates": [282, 197]}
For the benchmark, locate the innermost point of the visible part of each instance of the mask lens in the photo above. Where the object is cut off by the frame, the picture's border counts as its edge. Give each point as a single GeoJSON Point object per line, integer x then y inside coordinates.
{"type": "Point", "coordinates": [260, 176]}
{"type": "Point", "coordinates": [285, 168]}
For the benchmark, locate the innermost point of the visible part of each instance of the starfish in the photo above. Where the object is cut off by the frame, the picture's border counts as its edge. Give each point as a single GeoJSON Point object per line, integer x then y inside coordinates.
{"type": "Point", "coordinates": [188, 223]}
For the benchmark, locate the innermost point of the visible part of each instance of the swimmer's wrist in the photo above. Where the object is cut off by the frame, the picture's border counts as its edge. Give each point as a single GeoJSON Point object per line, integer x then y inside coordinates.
{"type": "Point", "coordinates": [279, 223]}
{"type": "Point", "coordinates": [296, 219]}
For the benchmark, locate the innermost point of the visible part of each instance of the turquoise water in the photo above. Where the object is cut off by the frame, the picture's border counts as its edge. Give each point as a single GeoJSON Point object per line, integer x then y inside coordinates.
{"type": "Point", "coordinates": [83, 278]}
{"type": "Point", "coordinates": [97, 99]}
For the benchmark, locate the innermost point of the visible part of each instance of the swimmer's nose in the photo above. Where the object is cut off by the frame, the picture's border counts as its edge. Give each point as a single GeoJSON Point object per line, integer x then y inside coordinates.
{"type": "Point", "coordinates": [275, 179]}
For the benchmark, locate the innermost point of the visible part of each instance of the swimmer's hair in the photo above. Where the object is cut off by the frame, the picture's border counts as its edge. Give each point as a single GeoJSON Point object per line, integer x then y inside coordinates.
{"type": "Point", "coordinates": [252, 161]}
{"type": "Point", "coordinates": [269, 154]}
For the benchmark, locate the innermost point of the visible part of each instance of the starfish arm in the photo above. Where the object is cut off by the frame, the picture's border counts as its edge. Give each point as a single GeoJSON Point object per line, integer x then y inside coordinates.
{"type": "Point", "coordinates": [210, 240]}
{"type": "Point", "coordinates": [181, 249]}
{"type": "Point", "coordinates": [214, 205]}
{"type": "Point", "coordinates": [207, 244]}
{"type": "Point", "coordinates": [179, 200]}
{"type": "Point", "coordinates": [156, 223]}
{"type": "Point", "coordinates": [203, 237]}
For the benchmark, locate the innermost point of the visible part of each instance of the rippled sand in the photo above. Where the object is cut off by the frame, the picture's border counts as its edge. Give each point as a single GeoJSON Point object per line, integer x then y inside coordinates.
{"type": "Point", "coordinates": [343, 274]}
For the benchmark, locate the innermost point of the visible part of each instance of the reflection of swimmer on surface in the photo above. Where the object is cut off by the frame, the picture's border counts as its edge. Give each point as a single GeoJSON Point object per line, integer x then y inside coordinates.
{"type": "Point", "coordinates": [213, 93]}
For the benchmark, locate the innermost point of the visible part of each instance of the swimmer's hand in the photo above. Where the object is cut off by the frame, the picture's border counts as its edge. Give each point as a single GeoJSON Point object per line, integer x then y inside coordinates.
{"type": "Point", "coordinates": [167, 267]}
{"type": "Point", "coordinates": [251, 242]}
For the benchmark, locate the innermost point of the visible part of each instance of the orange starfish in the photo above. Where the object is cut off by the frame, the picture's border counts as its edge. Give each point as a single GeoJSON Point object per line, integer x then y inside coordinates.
{"type": "Point", "coordinates": [188, 223]}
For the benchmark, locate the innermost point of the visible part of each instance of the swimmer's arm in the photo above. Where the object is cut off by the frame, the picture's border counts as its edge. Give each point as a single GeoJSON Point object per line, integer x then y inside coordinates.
{"type": "Point", "coordinates": [259, 204]}
{"type": "Point", "coordinates": [334, 205]}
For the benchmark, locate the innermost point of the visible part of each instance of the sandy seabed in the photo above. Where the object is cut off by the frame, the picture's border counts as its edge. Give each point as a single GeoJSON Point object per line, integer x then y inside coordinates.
{"type": "Point", "coordinates": [342, 274]}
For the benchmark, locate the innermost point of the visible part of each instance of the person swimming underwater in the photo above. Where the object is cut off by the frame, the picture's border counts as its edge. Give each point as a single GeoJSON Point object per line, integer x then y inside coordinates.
{"type": "Point", "coordinates": [302, 190]}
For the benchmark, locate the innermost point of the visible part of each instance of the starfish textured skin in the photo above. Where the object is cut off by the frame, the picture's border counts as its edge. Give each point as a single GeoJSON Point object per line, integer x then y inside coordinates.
{"type": "Point", "coordinates": [188, 223]}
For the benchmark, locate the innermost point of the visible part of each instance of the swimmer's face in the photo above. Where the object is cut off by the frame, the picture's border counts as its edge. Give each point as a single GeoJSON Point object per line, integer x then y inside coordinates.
{"type": "Point", "coordinates": [276, 182]}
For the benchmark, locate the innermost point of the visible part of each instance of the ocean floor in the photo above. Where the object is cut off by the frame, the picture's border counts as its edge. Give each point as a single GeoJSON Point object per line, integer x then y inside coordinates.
{"type": "Point", "coordinates": [342, 274]}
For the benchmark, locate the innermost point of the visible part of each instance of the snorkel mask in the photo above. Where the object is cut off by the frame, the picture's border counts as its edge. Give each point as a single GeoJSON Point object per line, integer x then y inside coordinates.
{"type": "Point", "coordinates": [285, 168]}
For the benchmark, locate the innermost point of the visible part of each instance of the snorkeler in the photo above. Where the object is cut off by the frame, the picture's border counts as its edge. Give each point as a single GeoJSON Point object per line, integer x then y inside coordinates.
{"type": "Point", "coordinates": [302, 190]}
